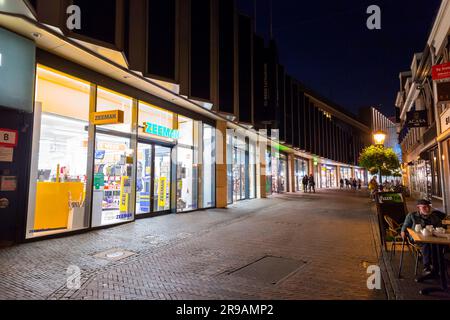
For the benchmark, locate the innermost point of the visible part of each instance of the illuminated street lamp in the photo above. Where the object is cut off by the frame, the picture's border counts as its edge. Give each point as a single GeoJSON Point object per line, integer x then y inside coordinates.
{"type": "Point", "coordinates": [379, 137]}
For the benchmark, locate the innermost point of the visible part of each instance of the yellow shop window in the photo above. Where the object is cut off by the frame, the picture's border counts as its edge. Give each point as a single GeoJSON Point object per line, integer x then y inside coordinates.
{"type": "Point", "coordinates": [59, 161]}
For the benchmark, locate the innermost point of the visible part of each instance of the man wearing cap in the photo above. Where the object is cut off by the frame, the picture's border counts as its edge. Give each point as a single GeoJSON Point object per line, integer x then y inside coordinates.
{"type": "Point", "coordinates": [424, 216]}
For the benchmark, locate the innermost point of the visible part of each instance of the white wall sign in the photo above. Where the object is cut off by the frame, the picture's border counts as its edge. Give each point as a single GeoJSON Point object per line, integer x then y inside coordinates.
{"type": "Point", "coordinates": [445, 120]}
{"type": "Point", "coordinates": [8, 138]}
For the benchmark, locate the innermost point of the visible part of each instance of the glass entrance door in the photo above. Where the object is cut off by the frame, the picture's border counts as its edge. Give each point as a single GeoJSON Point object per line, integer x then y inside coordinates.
{"type": "Point", "coordinates": [153, 179]}
{"type": "Point", "coordinates": [161, 181]}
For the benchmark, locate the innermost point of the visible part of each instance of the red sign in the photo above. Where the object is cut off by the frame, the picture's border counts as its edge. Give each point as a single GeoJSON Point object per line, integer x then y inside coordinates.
{"type": "Point", "coordinates": [8, 138]}
{"type": "Point", "coordinates": [441, 71]}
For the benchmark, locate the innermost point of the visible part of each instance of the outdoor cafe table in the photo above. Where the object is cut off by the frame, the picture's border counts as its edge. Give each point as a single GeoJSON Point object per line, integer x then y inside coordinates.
{"type": "Point", "coordinates": [438, 244]}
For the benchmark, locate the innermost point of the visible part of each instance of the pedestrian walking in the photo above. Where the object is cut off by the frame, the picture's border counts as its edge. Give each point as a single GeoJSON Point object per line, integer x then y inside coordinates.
{"type": "Point", "coordinates": [354, 184]}
{"type": "Point", "coordinates": [341, 183]}
{"type": "Point", "coordinates": [305, 182]}
{"type": "Point", "coordinates": [359, 184]}
{"type": "Point", "coordinates": [312, 184]}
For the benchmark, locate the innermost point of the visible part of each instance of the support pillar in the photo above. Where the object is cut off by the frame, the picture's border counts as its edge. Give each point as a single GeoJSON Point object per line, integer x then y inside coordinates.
{"type": "Point", "coordinates": [221, 164]}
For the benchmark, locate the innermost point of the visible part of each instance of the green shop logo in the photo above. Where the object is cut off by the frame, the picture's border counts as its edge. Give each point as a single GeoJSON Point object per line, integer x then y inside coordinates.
{"type": "Point", "coordinates": [391, 197]}
{"type": "Point", "coordinates": [157, 130]}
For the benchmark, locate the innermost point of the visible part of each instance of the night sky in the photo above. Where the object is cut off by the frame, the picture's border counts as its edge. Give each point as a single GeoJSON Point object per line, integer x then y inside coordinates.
{"type": "Point", "coordinates": [326, 45]}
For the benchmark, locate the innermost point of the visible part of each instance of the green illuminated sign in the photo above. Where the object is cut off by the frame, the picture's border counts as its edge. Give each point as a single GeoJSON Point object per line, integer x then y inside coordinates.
{"type": "Point", "coordinates": [157, 130]}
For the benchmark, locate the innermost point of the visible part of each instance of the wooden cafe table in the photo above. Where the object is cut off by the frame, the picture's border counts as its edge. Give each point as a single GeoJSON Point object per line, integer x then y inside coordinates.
{"type": "Point", "coordinates": [438, 244]}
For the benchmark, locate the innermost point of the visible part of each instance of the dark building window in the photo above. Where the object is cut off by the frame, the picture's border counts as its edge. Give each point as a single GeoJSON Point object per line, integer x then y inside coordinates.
{"type": "Point", "coordinates": [278, 98]}
{"type": "Point", "coordinates": [245, 69]}
{"type": "Point", "coordinates": [126, 44]}
{"type": "Point", "coordinates": [307, 135]}
{"type": "Point", "coordinates": [258, 78]}
{"type": "Point", "coordinates": [98, 19]}
{"type": "Point", "coordinates": [161, 38]}
{"type": "Point", "coordinates": [226, 56]}
{"type": "Point", "coordinates": [295, 115]}
{"type": "Point", "coordinates": [201, 49]}
{"type": "Point", "coordinates": [301, 118]}
{"type": "Point", "coordinates": [288, 114]}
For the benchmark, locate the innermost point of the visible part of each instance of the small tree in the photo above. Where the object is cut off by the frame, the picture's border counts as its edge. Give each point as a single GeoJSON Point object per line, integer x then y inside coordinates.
{"type": "Point", "coordinates": [380, 160]}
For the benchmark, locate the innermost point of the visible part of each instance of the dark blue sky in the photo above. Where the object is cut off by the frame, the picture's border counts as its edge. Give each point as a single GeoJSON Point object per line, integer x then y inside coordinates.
{"type": "Point", "coordinates": [326, 45]}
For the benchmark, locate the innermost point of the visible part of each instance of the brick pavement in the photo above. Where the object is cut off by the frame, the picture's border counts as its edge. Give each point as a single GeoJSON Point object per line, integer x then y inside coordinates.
{"type": "Point", "coordinates": [193, 255]}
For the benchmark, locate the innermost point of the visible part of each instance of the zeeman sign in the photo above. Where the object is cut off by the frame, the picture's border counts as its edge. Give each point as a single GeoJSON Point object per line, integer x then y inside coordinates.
{"type": "Point", "coordinates": [107, 117]}
{"type": "Point", "coordinates": [157, 130]}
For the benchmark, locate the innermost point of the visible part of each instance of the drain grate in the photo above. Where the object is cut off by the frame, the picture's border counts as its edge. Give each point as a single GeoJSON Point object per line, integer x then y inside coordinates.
{"type": "Point", "coordinates": [114, 254]}
{"type": "Point", "coordinates": [269, 269]}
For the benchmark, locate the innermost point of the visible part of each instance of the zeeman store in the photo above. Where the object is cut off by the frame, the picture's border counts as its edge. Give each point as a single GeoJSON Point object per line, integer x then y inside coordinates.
{"type": "Point", "coordinates": [105, 155]}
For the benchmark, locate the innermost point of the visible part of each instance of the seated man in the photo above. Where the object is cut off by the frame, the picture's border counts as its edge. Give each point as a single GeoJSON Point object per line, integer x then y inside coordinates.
{"type": "Point", "coordinates": [424, 216]}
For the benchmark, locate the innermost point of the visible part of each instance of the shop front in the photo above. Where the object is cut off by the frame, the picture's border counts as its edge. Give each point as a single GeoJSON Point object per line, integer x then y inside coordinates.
{"type": "Point", "coordinates": [360, 174]}
{"type": "Point", "coordinates": [241, 167]}
{"type": "Point", "coordinates": [301, 167]}
{"type": "Point", "coordinates": [101, 158]}
{"type": "Point", "coordinates": [328, 176]}
{"type": "Point", "coordinates": [346, 173]}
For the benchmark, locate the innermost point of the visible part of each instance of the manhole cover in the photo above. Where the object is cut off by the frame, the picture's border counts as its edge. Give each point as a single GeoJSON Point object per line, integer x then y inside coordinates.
{"type": "Point", "coordinates": [270, 269]}
{"type": "Point", "coordinates": [114, 254]}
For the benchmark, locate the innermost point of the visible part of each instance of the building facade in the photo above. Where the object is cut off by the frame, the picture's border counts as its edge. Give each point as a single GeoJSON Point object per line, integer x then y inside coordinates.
{"type": "Point", "coordinates": [377, 121]}
{"type": "Point", "coordinates": [111, 122]}
{"type": "Point", "coordinates": [423, 104]}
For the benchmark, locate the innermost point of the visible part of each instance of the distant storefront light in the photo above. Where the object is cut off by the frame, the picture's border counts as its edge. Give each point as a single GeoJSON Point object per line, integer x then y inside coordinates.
{"type": "Point", "coordinates": [155, 129]}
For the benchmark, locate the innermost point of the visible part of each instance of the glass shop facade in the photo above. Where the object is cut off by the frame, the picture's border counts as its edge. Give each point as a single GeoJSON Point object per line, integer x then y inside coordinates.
{"type": "Point", "coordinates": [89, 170]}
{"type": "Point", "coordinates": [276, 171]}
{"type": "Point", "coordinates": [241, 167]}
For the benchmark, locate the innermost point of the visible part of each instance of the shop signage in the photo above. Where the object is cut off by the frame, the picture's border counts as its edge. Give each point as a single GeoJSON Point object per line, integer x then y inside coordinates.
{"type": "Point", "coordinates": [107, 117]}
{"type": "Point", "coordinates": [6, 154]}
{"type": "Point", "coordinates": [162, 192]}
{"type": "Point", "coordinates": [390, 198]}
{"type": "Point", "coordinates": [17, 71]}
{"type": "Point", "coordinates": [8, 183]}
{"type": "Point", "coordinates": [441, 71]}
{"type": "Point", "coordinates": [390, 204]}
{"type": "Point", "coordinates": [443, 91]}
{"type": "Point", "coordinates": [99, 180]}
{"type": "Point", "coordinates": [445, 120]}
{"type": "Point", "coordinates": [8, 138]}
{"type": "Point", "coordinates": [157, 130]}
{"type": "Point", "coordinates": [416, 119]}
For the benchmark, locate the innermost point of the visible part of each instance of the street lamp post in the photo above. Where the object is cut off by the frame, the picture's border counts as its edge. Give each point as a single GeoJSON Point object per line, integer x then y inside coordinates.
{"type": "Point", "coordinates": [379, 137]}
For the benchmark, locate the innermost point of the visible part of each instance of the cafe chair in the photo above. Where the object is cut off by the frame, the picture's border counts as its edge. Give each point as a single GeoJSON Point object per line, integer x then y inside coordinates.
{"type": "Point", "coordinates": [414, 249]}
{"type": "Point", "coordinates": [417, 254]}
{"type": "Point", "coordinates": [395, 229]}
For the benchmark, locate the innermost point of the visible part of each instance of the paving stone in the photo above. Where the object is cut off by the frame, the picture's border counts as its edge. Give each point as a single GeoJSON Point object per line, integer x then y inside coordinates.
{"type": "Point", "coordinates": [190, 256]}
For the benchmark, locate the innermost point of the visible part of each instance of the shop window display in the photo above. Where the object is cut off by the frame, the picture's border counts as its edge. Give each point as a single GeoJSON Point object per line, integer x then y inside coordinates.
{"type": "Point", "coordinates": [112, 200]}
{"type": "Point", "coordinates": [60, 150]}
{"type": "Point", "coordinates": [187, 173]}
{"type": "Point", "coordinates": [268, 172]}
{"type": "Point", "coordinates": [252, 170]}
{"type": "Point", "coordinates": [108, 101]}
{"type": "Point", "coordinates": [230, 152]}
{"type": "Point", "coordinates": [161, 193]}
{"type": "Point", "coordinates": [144, 178]}
{"type": "Point", "coordinates": [282, 179]}
{"type": "Point", "coordinates": [209, 161]}
{"type": "Point", "coordinates": [328, 177]}
{"type": "Point", "coordinates": [113, 177]}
